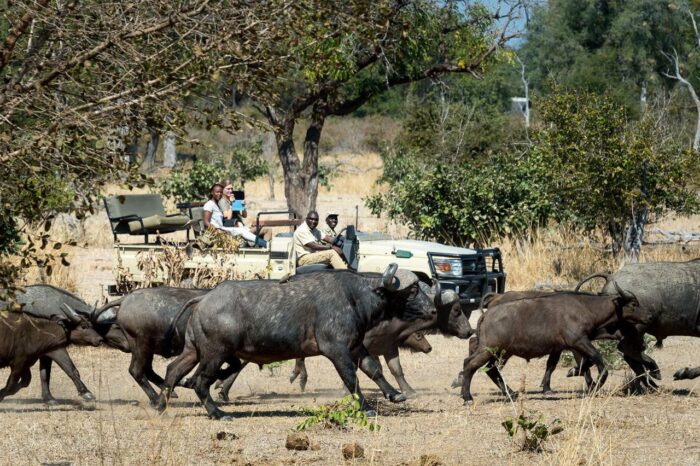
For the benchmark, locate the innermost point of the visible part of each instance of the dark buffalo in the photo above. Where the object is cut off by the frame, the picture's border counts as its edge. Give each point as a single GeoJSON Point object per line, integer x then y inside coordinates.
{"type": "Point", "coordinates": [47, 301]}
{"type": "Point", "coordinates": [546, 325]}
{"type": "Point", "coordinates": [385, 338]}
{"type": "Point", "coordinates": [25, 338]}
{"type": "Point", "coordinates": [145, 317]}
{"type": "Point", "coordinates": [670, 291]}
{"type": "Point", "coordinates": [318, 313]}
{"type": "Point", "coordinates": [614, 333]}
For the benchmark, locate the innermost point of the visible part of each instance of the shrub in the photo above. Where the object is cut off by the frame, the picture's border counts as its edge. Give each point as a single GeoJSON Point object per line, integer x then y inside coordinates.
{"type": "Point", "coordinates": [338, 415]}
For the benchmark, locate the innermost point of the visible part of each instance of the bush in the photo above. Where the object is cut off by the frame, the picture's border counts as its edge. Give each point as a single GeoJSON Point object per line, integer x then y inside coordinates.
{"type": "Point", "coordinates": [338, 415]}
{"type": "Point", "coordinates": [194, 183]}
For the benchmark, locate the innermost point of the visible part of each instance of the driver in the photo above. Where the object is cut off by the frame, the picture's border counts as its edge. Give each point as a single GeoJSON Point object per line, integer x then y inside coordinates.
{"type": "Point", "coordinates": [309, 246]}
{"type": "Point", "coordinates": [328, 231]}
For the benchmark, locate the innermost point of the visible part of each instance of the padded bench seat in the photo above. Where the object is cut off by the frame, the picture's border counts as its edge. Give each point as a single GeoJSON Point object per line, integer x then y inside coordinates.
{"type": "Point", "coordinates": [142, 214]}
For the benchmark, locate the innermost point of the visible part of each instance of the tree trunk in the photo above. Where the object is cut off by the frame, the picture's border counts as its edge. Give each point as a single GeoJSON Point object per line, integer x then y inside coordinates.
{"type": "Point", "coordinates": [169, 150]}
{"type": "Point", "coordinates": [300, 180]}
{"type": "Point", "coordinates": [634, 235]}
{"type": "Point", "coordinates": [150, 159]}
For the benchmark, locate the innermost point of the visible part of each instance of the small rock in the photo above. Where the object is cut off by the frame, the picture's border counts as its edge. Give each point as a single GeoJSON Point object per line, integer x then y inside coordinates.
{"type": "Point", "coordinates": [315, 446]}
{"type": "Point", "coordinates": [353, 450]}
{"type": "Point", "coordinates": [223, 435]}
{"type": "Point", "coordinates": [297, 441]}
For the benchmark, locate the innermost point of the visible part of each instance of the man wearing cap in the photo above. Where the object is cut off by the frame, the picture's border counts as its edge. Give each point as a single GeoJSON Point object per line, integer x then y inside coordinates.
{"type": "Point", "coordinates": [328, 232]}
{"type": "Point", "coordinates": [309, 246]}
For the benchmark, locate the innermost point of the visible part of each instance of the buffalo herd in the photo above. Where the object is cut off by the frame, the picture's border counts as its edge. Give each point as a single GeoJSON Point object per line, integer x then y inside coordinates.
{"type": "Point", "coordinates": [351, 319]}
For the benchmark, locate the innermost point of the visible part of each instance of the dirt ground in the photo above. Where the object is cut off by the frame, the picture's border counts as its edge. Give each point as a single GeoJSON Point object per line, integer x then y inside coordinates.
{"type": "Point", "coordinates": [120, 428]}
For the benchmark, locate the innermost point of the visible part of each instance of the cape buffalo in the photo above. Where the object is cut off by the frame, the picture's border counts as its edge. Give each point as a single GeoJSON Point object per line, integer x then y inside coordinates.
{"type": "Point", "coordinates": [670, 291]}
{"type": "Point", "coordinates": [320, 313]}
{"type": "Point", "coordinates": [25, 338]}
{"type": "Point", "coordinates": [47, 301]}
{"type": "Point", "coordinates": [546, 325]}
{"type": "Point", "coordinates": [145, 317]}
{"type": "Point", "coordinates": [385, 337]}
{"type": "Point", "coordinates": [582, 369]}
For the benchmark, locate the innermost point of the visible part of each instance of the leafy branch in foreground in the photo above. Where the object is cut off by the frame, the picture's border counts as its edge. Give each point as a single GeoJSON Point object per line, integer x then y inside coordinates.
{"type": "Point", "coordinates": [338, 415]}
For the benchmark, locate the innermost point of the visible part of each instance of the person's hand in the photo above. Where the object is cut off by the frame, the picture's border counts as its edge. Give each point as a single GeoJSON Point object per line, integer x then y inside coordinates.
{"type": "Point", "coordinates": [337, 249]}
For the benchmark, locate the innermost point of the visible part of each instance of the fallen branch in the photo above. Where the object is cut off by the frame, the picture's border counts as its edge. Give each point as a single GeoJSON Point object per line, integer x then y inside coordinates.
{"type": "Point", "coordinates": [671, 237]}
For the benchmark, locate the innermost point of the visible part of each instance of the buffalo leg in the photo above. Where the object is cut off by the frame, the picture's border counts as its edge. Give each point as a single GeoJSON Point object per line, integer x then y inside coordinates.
{"type": "Point", "coordinates": [299, 371]}
{"type": "Point", "coordinates": [687, 373]}
{"type": "Point", "coordinates": [177, 369]}
{"type": "Point", "coordinates": [140, 362]}
{"type": "Point", "coordinates": [62, 358]}
{"type": "Point", "coordinates": [586, 348]}
{"type": "Point", "coordinates": [371, 366]}
{"type": "Point", "coordinates": [19, 377]}
{"type": "Point", "coordinates": [343, 362]}
{"type": "Point", "coordinates": [552, 362]}
{"type": "Point", "coordinates": [45, 376]}
{"type": "Point", "coordinates": [228, 382]}
{"type": "Point", "coordinates": [205, 375]}
{"type": "Point", "coordinates": [495, 375]}
{"type": "Point", "coordinates": [394, 364]}
{"type": "Point", "coordinates": [471, 364]}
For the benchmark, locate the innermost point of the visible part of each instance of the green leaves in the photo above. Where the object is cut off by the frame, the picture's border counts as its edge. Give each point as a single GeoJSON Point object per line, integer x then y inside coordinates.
{"type": "Point", "coordinates": [535, 432]}
{"type": "Point", "coordinates": [338, 415]}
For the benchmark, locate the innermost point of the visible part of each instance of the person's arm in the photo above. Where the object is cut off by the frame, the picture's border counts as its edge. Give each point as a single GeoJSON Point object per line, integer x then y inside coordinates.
{"type": "Point", "coordinates": [316, 247]}
{"type": "Point", "coordinates": [206, 218]}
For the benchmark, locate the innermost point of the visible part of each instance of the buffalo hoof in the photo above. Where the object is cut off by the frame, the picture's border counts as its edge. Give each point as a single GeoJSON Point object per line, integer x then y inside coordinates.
{"type": "Point", "coordinates": [87, 396]}
{"type": "Point", "coordinates": [547, 392]}
{"type": "Point", "coordinates": [457, 382]}
{"type": "Point", "coordinates": [397, 398]}
{"type": "Point", "coordinates": [681, 374]}
{"type": "Point", "coordinates": [370, 413]}
{"type": "Point", "coordinates": [468, 403]}
{"type": "Point", "coordinates": [223, 397]}
{"type": "Point", "coordinates": [410, 393]}
{"type": "Point", "coordinates": [221, 416]}
{"type": "Point", "coordinates": [174, 395]}
{"type": "Point", "coordinates": [656, 374]}
{"type": "Point", "coordinates": [218, 384]}
{"type": "Point", "coordinates": [51, 402]}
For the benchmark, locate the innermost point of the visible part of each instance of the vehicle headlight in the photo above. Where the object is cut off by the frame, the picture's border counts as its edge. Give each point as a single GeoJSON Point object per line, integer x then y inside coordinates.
{"type": "Point", "coordinates": [448, 266]}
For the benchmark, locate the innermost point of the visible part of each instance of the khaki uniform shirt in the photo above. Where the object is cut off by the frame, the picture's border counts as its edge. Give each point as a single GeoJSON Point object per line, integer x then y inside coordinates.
{"type": "Point", "coordinates": [303, 236]}
{"type": "Point", "coordinates": [328, 231]}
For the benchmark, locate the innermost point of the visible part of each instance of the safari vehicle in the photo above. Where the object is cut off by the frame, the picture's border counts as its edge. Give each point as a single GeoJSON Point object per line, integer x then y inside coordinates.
{"type": "Point", "coordinates": [470, 272]}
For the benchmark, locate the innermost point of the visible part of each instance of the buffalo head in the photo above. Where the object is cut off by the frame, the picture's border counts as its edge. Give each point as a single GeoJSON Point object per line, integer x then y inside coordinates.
{"type": "Point", "coordinates": [407, 299]}
{"type": "Point", "coordinates": [80, 331]}
{"type": "Point", "coordinates": [629, 309]}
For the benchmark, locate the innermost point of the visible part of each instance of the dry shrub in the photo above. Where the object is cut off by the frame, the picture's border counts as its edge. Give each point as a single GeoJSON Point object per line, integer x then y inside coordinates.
{"type": "Point", "coordinates": [61, 277]}
{"type": "Point", "coordinates": [560, 257]}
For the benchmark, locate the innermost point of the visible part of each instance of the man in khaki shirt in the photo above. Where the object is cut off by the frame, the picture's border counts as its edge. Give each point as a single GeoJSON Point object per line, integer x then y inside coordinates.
{"type": "Point", "coordinates": [309, 247]}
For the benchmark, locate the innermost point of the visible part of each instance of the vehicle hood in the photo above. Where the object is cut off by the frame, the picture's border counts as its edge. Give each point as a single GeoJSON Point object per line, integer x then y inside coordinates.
{"type": "Point", "coordinates": [418, 248]}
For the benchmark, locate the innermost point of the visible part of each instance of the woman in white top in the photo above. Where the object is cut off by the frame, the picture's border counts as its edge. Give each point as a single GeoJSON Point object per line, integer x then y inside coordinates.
{"type": "Point", "coordinates": [214, 216]}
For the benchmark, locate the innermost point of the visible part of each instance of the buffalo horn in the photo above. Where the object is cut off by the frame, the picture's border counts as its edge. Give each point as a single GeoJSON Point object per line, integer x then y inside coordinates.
{"type": "Point", "coordinates": [438, 293]}
{"type": "Point", "coordinates": [625, 294]}
{"type": "Point", "coordinates": [388, 277]}
{"type": "Point", "coordinates": [71, 314]}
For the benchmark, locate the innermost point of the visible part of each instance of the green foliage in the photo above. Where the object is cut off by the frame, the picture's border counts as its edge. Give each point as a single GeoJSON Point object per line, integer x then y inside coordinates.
{"type": "Point", "coordinates": [585, 164]}
{"type": "Point", "coordinates": [598, 168]}
{"type": "Point", "coordinates": [535, 432]}
{"type": "Point", "coordinates": [194, 183]}
{"type": "Point", "coordinates": [338, 415]}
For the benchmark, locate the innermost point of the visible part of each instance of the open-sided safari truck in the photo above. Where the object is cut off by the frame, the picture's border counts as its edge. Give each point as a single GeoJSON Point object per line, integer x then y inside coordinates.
{"type": "Point", "coordinates": [470, 272]}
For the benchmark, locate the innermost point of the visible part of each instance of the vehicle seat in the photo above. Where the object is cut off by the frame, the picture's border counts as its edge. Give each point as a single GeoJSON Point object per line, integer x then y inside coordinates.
{"type": "Point", "coordinates": [312, 268]}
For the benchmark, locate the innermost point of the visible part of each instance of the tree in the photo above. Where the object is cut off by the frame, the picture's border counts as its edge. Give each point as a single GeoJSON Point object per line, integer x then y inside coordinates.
{"type": "Point", "coordinates": [348, 52]}
{"type": "Point", "coordinates": [76, 77]}
{"type": "Point", "coordinates": [604, 171]}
